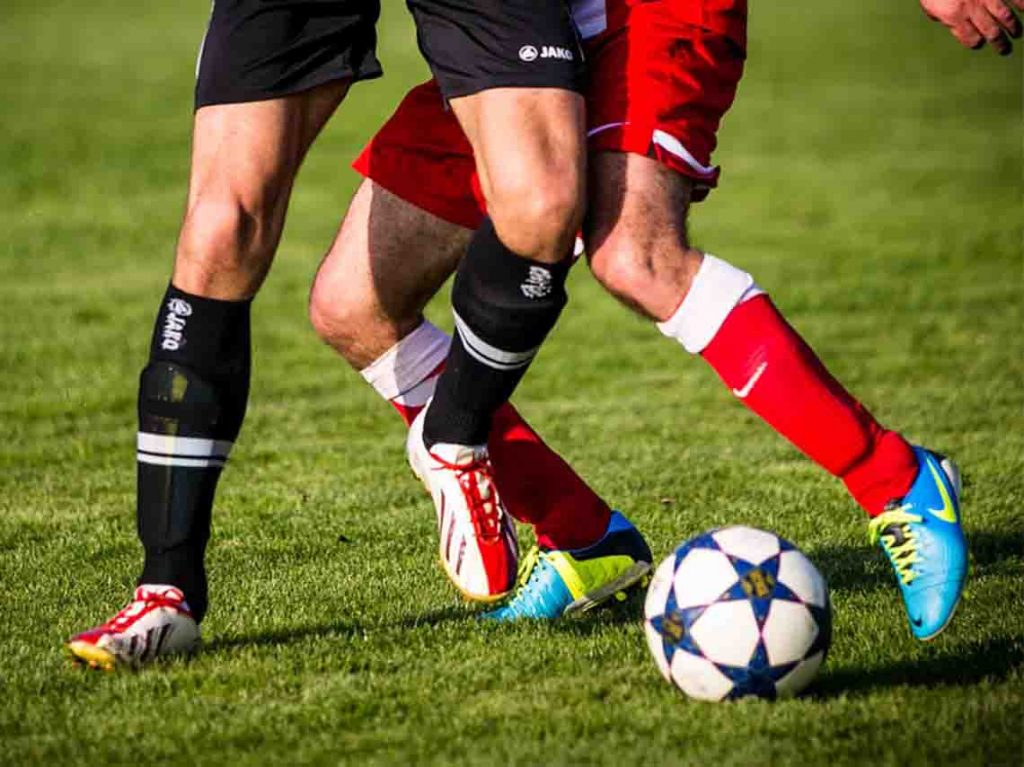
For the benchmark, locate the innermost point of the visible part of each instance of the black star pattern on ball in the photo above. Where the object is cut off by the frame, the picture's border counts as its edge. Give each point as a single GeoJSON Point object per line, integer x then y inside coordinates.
{"type": "Point", "coordinates": [674, 627]}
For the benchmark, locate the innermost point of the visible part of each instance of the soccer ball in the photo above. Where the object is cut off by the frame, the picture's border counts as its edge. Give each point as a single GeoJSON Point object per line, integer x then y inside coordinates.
{"type": "Point", "coordinates": [738, 612]}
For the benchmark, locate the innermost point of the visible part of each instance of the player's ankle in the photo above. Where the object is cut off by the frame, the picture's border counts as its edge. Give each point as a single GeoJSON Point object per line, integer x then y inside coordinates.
{"type": "Point", "coordinates": [884, 474]}
{"type": "Point", "coordinates": [406, 374]}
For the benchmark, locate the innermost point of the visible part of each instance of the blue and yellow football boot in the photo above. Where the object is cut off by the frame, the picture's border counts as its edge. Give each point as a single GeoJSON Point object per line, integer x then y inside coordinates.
{"type": "Point", "coordinates": [922, 537]}
{"type": "Point", "coordinates": [555, 583]}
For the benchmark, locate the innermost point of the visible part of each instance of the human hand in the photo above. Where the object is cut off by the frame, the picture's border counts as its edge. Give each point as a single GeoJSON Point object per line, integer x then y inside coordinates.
{"type": "Point", "coordinates": [976, 22]}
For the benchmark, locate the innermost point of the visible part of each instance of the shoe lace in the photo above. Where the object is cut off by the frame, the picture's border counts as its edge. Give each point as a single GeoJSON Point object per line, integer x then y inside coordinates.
{"type": "Point", "coordinates": [473, 477]}
{"type": "Point", "coordinates": [527, 571]}
{"type": "Point", "coordinates": [127, 614]}
{"type": "Point", "coordinates": [527, 567]}
{"type": "Point", "coordinates": [893, 528]}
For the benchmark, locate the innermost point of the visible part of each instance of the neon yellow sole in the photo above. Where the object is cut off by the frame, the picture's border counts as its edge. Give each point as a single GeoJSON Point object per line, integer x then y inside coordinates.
{"type": "Point", "coordinates": [91, 656]}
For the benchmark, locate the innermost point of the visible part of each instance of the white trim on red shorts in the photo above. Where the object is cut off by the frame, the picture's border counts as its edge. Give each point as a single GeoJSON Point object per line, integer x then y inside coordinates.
{"type": "Point", "coordinates": [671, 144]}
{"type": "Point", "coordinates": [607, 126]}
{"type": "Point", "coordinates": [666, 141]}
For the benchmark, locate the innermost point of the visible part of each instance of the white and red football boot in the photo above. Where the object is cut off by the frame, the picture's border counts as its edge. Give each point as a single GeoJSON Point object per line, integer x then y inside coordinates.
{"type": "Point", "coordinates": [478, 546]}
{"type": "Point", "coordinates": [155, 624]}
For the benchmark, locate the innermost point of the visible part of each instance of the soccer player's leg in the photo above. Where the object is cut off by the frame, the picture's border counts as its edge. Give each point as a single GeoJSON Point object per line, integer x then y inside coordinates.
{"type": "Point", "coordinates": [911, 494]}
{"type": "Point", "coordinates": [367, 301]}
{"type": "Point", "coordinates": [395, 249]}
{"type": "Point", "coordinates": [510, 287]}
{"type": "Point", "coordinates": [252, 129]}
{"type": "Point", "coordinates": [194, 389]}
{"type": "Point", "coordinates": [638, 247]}
{"type": "Point", "coordinates": [390, 257]}
{"type": "Point", "coordinates": [520, 108]}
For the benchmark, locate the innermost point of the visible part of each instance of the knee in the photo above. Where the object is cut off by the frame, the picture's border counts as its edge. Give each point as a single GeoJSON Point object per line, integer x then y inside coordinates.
{"type": "Point", "coordinates": [224, 242]}
{"type": "Point", "coordinates": [622, 270]}
{"type": "Point", "coordinates": [351, 322]}
{"type": "Point", "coordinates": [651, 278]}
{"type": "Point", "coordinates": [337, 316]}
{"type": "Point", "coordinates": [538, 217]}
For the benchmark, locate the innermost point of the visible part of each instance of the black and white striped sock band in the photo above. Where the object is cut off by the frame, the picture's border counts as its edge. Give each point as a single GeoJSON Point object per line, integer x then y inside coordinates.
{"type": "Point", "coordinates": [192, 452]}
{"type": "Point", "coordinates": [488, 354]}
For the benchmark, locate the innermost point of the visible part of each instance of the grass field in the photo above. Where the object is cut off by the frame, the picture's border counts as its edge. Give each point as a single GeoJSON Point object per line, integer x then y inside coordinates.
{"type": "Point", "coordinates": [872, 181]}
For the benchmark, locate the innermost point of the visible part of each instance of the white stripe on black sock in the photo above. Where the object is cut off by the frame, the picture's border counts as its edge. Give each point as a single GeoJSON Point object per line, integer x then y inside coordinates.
{"type": "Point", "coordinates": [490, 355]}
{"type": "Point", "coordinates": [170, 450]}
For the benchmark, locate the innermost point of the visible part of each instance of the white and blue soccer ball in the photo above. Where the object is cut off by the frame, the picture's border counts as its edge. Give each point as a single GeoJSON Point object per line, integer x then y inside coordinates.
{"type": "Point", "coordinates": [738, 612]}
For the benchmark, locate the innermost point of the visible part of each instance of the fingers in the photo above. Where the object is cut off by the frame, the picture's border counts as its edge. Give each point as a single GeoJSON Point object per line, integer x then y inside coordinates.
{"type": "Point", "coordinates": [984, 22]}
{"type": "Point", "coordinates": [1004, 16]}
{"type": "Point", "coordinates": [930, 13]}
{"type": "Point", "coordinates": [975, 23]}
{"type": "Point", "coordinates": [967, 34]}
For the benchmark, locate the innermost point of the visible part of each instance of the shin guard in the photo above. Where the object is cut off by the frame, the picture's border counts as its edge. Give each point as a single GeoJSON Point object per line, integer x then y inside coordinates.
{"type": "Point", "coordinates": [192, 399]}
{"type": "Point", "coordinates": [504, 307]}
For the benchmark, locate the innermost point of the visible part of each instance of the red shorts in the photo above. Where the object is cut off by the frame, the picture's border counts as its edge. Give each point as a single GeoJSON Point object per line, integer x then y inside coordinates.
{"type": "Point", "coordinates": [662, 73]}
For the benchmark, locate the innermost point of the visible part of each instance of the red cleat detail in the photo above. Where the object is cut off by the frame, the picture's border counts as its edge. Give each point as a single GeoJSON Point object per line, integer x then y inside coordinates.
{"type": "Point", "coordinates": [157, 622]}
{"type": "Point", "coordinates": [537, 486]}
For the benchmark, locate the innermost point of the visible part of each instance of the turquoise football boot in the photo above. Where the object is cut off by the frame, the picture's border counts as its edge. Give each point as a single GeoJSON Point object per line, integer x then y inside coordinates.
{"type": "Point", "coordinates": [922, 537]}
{"type": "Point", "coordinates": [555, 583]}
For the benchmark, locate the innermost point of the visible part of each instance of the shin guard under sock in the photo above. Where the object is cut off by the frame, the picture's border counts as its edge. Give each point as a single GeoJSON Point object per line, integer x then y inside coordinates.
{"type": "Point", "coordinates": [504, 306]}
{"type": "Point", "coordinates": [192, 399]}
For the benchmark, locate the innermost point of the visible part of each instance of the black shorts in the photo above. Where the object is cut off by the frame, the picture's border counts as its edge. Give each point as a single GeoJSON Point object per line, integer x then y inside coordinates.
{"type": "Point", "coordinates": [473, 45]}
{"type": "Point", "coordinates": [257, 49]}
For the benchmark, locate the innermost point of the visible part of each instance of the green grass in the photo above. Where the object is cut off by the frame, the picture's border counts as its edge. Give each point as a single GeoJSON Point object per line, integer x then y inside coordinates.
{"type": "Point", "coordinates": [872, 181]}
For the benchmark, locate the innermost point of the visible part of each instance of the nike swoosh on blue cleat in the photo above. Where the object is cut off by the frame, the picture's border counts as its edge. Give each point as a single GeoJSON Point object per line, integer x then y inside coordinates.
{"type": "Point", "coordinates": [922, 536]}
{"type": "Point", "coordinates": [555, 583]}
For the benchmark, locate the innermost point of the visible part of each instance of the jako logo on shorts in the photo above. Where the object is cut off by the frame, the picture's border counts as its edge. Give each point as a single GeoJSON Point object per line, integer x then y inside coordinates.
{"type": "Point", "coordinates": [172, 336]}
{"type": "Point", "coordinates": [555, 52]}
{"type": "Point", "coordinates": [528, 53]}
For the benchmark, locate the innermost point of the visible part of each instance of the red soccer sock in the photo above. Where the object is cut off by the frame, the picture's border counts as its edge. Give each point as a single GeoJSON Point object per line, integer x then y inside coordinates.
{"type": "Point", "coordinates": [540, 488]}
{"type": "Point", "coordinates": [537, 486]}
{"type": "Point", "coordinates": [776, 374]}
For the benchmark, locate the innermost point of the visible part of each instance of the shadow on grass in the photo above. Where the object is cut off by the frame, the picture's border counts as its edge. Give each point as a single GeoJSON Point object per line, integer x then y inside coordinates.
{"type": "Point", "coordinates": [993, 659]}
{"type": "Point", "coordinates": [611, 613]}
{"type": "Point", "coordinates": [852, 568]}
{"type": "Point", "coordinates": [991, 551]}
{"type": "Point", "coordinates": [847, 568]}
{"type": "Point", "coordinates": [338, 629]}
{"type": "Point", "coordinates": [864, 568]}
{"type": "Point", "coordinates": [615, 614]}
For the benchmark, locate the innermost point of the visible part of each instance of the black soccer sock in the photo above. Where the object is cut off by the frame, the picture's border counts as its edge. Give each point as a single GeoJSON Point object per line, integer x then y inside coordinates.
{"type": "Point", "coordinates": [192, 398]}
{"type": "Point", "coordinates": [504, 306]}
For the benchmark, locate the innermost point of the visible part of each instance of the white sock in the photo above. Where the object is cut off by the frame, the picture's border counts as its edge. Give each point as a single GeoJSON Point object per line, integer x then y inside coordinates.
{"type": "Point", "coordinates": [402, 374]}
{"type": "Point", "coordinates": [717, 288]}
